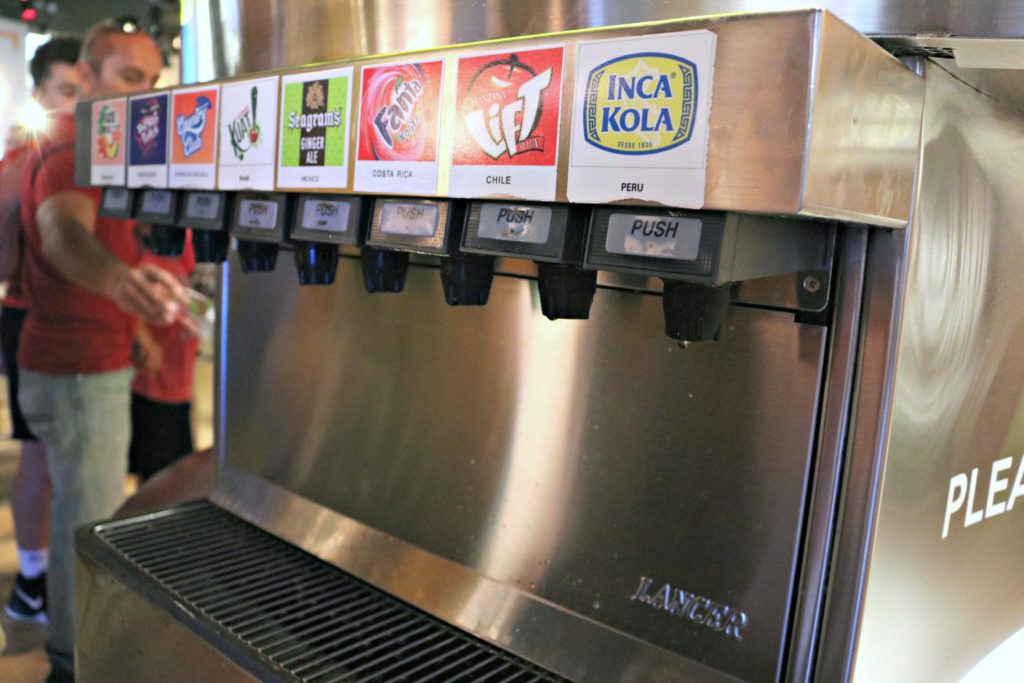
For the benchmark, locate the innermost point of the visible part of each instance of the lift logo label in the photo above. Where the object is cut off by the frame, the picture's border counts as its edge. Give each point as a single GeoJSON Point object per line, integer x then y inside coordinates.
{"type": "Point", "coordinates": [641, 103]}
{"type": "Point", "coordinates": [149, 130]}
{"type": "Point", "coordinates": [315, 113]}
{"type": "Point", "coordinates": [508, 108]}
{"type": "Point", "coordinates": [641, 119]}
{"type": "Point", "coordinates": [505, 132]}
{"type": "Point", "coordinates": [399, 113]}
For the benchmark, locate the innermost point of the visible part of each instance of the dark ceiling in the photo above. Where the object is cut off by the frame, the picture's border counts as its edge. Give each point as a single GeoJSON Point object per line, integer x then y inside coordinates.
{"type": "Point", "coordinates": [76, 16]}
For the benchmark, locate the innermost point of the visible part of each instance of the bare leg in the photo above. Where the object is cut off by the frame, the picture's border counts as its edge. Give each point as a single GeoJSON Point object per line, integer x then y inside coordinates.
{"type": "Point", "coordinates": [30, 498]}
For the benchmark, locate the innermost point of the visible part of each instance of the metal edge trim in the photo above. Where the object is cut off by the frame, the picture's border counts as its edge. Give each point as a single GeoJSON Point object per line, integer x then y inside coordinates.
{"type": "Point", "coordinates": [865, 453]}
{"type": "Point", "coordinates": [821, 510]}
{"type": "Point", "coordinates": [470, 601]}
{"type": "Point", "coordinates": [90, 549]}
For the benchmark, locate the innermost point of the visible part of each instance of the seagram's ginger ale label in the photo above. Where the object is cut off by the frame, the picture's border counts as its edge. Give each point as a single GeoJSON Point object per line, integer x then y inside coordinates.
{"type": "Point", "coordinates": [640, 119]}
{"type": "Point", "coordinates": [316, 108]}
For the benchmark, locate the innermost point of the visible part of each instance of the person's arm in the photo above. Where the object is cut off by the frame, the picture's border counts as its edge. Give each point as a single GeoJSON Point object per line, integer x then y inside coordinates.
{"type": "Point", "coordinates": [67, 222]}
{"type": "Point", "coordinates": [147, 356]}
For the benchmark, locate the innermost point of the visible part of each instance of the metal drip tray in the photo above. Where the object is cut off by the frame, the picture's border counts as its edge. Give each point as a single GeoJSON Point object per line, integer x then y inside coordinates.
{"type": "Point", "coordinates": [283, 614]}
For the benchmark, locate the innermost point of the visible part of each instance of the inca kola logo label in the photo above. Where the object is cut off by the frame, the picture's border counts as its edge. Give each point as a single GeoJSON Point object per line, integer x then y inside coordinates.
{"type": "Point", "coordinates": [641, 103]}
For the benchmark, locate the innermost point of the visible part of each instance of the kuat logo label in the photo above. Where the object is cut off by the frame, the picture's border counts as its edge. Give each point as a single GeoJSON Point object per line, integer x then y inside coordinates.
{"type": "Point", "coordinates": [243, 130]}
{"type": "Point", "coordinates": [641, 103]}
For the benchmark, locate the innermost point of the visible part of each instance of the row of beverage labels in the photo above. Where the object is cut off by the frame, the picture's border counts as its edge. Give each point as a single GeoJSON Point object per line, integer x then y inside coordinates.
{"type": "Point", "coordinates": [492, 119]}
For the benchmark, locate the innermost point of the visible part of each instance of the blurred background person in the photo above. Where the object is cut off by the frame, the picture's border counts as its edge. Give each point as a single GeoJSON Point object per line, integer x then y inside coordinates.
{"type": "Point", "coordinates": [86, 292]}
{"type": "Point", "coordinates": [55, 89]}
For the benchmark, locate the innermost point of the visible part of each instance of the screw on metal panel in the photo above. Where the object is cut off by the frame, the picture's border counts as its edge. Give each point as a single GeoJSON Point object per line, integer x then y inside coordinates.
{"type": "Point", "coordinates": [812, 284]}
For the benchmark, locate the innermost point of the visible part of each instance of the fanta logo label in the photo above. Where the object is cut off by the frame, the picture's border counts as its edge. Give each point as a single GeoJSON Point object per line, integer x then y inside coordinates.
{"type": "Point", "coordinates": [396, 120]}
{"type": "Point", "coordinates": [191, 127]}
{"type": "Point", "coordinates": [641, 103]}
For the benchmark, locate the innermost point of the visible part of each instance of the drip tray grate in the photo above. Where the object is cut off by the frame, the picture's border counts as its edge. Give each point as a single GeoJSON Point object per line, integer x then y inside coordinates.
{"type": "Point", "coordinates": [299, 617]}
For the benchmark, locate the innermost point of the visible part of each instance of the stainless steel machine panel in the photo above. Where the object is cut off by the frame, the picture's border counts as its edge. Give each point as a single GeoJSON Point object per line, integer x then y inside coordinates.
{"type": "Point", "coordinates": [565, 461]}
{"type": "Point", "coordinates": [945, 576]}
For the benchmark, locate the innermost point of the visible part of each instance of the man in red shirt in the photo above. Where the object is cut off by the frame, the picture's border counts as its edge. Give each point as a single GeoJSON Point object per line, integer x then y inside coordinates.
{"type": "Point", "coordinates": [55, 81]}
{"type": "Point", "coordinates": [86, 292]}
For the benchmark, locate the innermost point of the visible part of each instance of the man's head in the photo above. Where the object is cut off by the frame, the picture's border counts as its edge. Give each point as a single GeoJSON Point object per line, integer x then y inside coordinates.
{"type": "Point", "coordinates": [55, 80]}
{"type": "Point", "coordinates": [113, 62]}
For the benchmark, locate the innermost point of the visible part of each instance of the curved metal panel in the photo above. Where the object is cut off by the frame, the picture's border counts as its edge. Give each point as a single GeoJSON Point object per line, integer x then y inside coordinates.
{"type": "Point", "coordinates": [944, 585]}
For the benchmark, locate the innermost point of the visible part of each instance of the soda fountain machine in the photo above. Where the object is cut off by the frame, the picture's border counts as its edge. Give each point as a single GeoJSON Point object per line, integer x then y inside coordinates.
{"type": "Point", "coordinates": [617, 342]}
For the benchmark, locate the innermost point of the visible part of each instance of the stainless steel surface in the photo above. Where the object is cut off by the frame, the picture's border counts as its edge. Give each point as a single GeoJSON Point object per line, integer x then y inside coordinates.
{"type": "Point", "coordinates": [270, 33]}
{"type": "Point", "coordinates": [864, 457]}
{"type": "Point", "coordinates": [992, 66]}
{"type": "Point", "coordinates": [122, 636]}
{"type": "Point", "coordinates": [508, 616]}
{"type": "Point", "coordinates": [828, 466]}
{"type": "Point", "coordinates": [864, 132]}
{"type": "Point", "coordinates": [283, 614]}
{"type": "Point", "coordinates": [530, 454]}
{"type": "Point", "coordinates": [828, 127]}
{"type": "Point", "coordinates": [957, 404]}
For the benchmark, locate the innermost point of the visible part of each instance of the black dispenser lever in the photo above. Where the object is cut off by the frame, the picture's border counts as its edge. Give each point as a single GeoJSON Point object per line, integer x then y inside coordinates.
{"type": "Point", "coordinates": [166, 240]}
{"type": "Point", "coordinates": [566, 290]}
{"type": "Point", "coordinates": [694, 312]}
{"type": "Point", "coordinates": [384, 270]}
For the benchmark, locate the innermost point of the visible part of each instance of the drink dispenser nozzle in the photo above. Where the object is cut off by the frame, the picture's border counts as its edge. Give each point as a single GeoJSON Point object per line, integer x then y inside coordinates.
{"type": "Point", "coordinates": [384, 270]}
{"type": "Point", "coordinates": [466, 278]}
{"type": "Point", "coordinates": [166, 240]}
{"type": "Point", "coordinates": [260, 224]}
{"type": "Point", "coordinates": [158, 208]}
{"type": "Point", "coordinates": [257, 257]}
{"type": "Point", "coordinates": [208, 214]}
{"type": "Point", "coordinates": [211, 246]}
{"type": "Point", "coordinates": [566, 290]}
{"type": "Point", "coordinates": [321, 224]}
{"type": "Point", "coordinates": [694, 312]}
{"type": "Point", "coordinates": [316, 263]}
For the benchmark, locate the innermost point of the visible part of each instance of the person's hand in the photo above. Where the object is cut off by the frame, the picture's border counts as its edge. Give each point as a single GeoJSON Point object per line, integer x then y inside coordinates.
{"type": "Point", "coordinates": [147, 356]}
{"type": "Point", "coordinates": [149, 292]}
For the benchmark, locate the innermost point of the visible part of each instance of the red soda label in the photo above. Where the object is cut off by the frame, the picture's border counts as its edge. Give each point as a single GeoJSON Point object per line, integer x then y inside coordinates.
{"type": "Point", "coordinates": [399, 114]}
{"type": "Point", "coordinates": [508, 107]}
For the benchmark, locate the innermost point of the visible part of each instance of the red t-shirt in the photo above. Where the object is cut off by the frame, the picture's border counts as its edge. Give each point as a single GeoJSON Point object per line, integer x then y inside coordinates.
{"type": "Point", "coordinates": [14, 159]}
{"type": "Point", "coordinates": [71, 330]}
{"type": "Point", "coordinates": [172, 383]}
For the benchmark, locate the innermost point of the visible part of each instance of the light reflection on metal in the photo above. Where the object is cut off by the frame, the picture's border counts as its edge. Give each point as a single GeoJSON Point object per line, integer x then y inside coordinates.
{"type": "Point", "coordinates": [957, 402]}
